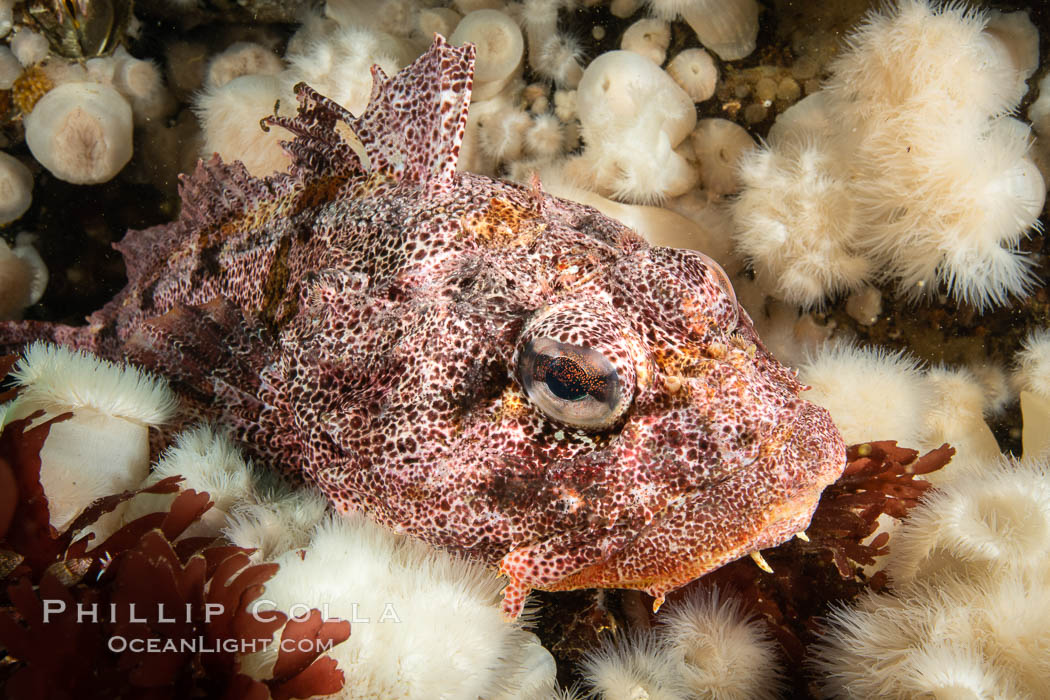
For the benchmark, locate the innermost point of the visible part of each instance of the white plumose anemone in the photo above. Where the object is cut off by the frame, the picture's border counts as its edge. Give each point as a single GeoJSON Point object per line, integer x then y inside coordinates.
{"type": "Point", "coordinates": [872, 394]}
{"type": "Point", "coordinates": [23, 276]}
{"type": "Point", "coordinates": [920, 50]}
{"type": "Point", "coordinates": [704, 648]}
{"type": "Point", "coordinates": [1039, 116]}
{"type": "Point", "coordinates": [695, 72]}
{"type": "Point", "coordinates": [797, 219]}
{"type": "Point", "coordinates": [425, 623]}
{"type": "Point", "coordinates": [649, 38]}
{"type": "Point", "coordinates": [241, 58]}
{"type": "Point", "coordinates": [10, 68]}
{"type": "Point", "coordinates": [545, 138]}
{"type": "Point", "coordinates": [727, 27]}
{"type": "Point", "coordinates": [949, 669]}
{"type": "Point", "coordinates": [961, 199]}
{"type": "Point", "coordinates": [977, 525]}
{"type": "Point", "coordinates": [933, 175]}
{"type": "Point", "coordinates": [665, 9]}
{"type": "Point", "coordinates": [230, 115]}
{"type": "Point", "coordinates": [208, 462]}
{"type": "Point", "coordinates": [1032, 364]}
{"type": "Point", "coordinates": [722, 654]}
{"type": "Point", "coordinates": [1031, 379]}
{"type": "Point", "coordinates": [16, 188]}
{"type": "Point", "coordinates": [641, 168]}
{"type": "Point", "coordinates": [1035, 437]}
{"type": "Point", "coordinates": [809, 119]}
{"type": "Point", "coordinates": [638, 667]}
{"type": "Point", "coordinates": [141, 83]}
{"type": "Point", "coordinates": [955, 415]}
{"type": "Point", "coordinates": [1014, 41]}
{"type": "Point", "coordinates": [113, 407]}
{"type": "Point", "coordinates": [552, 54]}
{"type": "Point", "coordinates": [6, 17]}
{"type": "Point", "coordinates": [433, 624]}
{"type": "Point", "coordinates": [281, 520]}
{"type": "Point", "coordinates": [437, 20]}
{"type": "Point", "coordinates": [500, 48]}
{"type": "Point", "coordinates": [28, 46]}
{"type": "Point", "coordinates": [864, 305]}
{"type": "Point", "coordinates": [502, 137]}
{"type": "Point", "coordinates": [560, 60]}
{"type": "Point", "coordinates": [718, 145]}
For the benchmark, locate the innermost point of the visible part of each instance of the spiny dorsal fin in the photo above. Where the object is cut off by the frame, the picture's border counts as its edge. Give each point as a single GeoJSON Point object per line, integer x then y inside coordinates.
{"type": "Point", "coordinates": [217, 191]}
{"type": "Point", "coordinates": [412, 130]}
{"type": "Point", "coordinates": [413, 125]}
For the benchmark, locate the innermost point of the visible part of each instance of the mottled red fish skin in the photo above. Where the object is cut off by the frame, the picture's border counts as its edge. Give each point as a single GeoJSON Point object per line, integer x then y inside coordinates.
{"type": "Point", "coordinates": [360, 325]}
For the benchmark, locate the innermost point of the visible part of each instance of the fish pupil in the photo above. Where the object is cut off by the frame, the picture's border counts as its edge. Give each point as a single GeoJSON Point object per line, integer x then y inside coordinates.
{"type": "Point", "coordinates": [566, 379]}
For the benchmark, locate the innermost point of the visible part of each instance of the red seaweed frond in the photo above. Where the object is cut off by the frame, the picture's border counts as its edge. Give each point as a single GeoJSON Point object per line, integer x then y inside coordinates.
{"type": "Point", "coordinates": [145, 613]}
{"type": "Point", "coordinates": [879, 478]}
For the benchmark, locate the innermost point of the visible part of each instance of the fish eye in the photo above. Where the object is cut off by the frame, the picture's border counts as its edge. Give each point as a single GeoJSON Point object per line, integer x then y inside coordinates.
{"type": "Point", "coordinates": [571, 384]}
{"type": "Point", "coordinates": [723, 281]}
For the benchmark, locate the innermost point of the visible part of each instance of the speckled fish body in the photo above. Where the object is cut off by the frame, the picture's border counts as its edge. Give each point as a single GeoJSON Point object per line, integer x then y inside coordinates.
{"type": "Point", "coordinates": [476, 363]}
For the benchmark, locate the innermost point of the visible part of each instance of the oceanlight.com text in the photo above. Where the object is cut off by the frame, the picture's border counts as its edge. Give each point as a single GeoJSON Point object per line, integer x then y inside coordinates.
{"type": "Point", "coordinates": [201, 645]}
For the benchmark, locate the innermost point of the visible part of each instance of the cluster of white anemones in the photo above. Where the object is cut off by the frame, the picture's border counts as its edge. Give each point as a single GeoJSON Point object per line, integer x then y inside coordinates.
{"type": "Point", "coordinates": [81, 130]}
{"type": "Point", "coordinates": [839, 196]}
{"type": "Point", "coordinates": [425, 623]}
{"type": "Point", "coordinates": [906, 166]}
{"type": "Point", "coordinates": [969, 603]}
{"type": "Point", "coordinates": [968, 607]}
{"type": "Point", "coordinates": [635, 119]}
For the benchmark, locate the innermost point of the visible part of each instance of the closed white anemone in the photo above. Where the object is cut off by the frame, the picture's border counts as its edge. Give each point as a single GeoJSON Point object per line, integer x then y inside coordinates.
{"type": "Point", "coordinates": [81, 132]}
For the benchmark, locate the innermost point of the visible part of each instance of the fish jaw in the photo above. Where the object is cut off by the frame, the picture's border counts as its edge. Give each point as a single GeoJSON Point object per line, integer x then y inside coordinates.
{"type": "Point", "coordinates": [759, 507]}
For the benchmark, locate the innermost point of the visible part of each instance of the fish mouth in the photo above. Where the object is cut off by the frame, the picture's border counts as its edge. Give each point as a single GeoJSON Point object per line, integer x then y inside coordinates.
{"type": "Point", "coordinates": [750, 509]}
{"type": "Point", "coordinates": [811, 434]}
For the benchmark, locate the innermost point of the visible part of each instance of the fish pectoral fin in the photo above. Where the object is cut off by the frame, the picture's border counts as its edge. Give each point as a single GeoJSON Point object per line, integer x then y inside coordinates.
{"type": "Point", "coordinates": [547, 564]}
{"type": "Point", "coordinates": [514, 595]}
